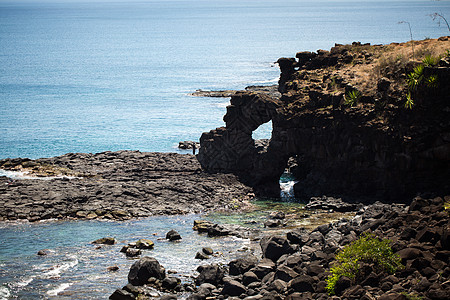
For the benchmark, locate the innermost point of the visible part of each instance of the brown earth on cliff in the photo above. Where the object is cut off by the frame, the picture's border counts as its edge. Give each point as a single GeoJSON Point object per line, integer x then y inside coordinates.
{"type": "Point", "coordinates": [351, 121]}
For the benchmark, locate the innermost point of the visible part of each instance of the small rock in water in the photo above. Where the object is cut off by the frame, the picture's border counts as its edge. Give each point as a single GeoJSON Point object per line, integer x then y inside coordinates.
{"type": "Point", "coordinates": [105, 241]}
{"type": "Point", "coordinates": [173, 235]}
{"type": "Point", "coordinates": [201, 255]}
{"type": "Point", "coordinates": [112, 268]}
{"type": "Point", "coordinates": [144, 269]}
{"type": "Point", "coordinates": [145, 244]}
{"type": "Point", "coordinates": [42, 252]}
{"type": "Point", "coordinates": [132, 252]}
{"type": "Point", "coordinates": [202, 225]}
{"type": "Point", "coordinates": [207, 250]}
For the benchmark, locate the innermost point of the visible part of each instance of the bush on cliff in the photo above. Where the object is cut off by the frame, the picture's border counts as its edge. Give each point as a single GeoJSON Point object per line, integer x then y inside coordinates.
{"type": "Point", "coordinates": [368, 249]}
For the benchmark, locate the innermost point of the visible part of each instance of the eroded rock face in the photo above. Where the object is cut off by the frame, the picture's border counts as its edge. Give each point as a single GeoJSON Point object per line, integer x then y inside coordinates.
{"type": "Point", "coordinates": [377, 150]}
{"type": "Point", "coordinates": [231, 149]}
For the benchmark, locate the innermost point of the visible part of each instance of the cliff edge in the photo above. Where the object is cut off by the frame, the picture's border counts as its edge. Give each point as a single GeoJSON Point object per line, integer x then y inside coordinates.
{"type": "Point", "coordinates": [360, 121]}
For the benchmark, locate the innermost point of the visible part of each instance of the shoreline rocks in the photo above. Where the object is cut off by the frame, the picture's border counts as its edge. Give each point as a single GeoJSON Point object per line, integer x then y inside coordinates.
{"type": "Point", "coordinates": [296, 266]}
{"type": "Point", "coordinates": [116, 186]}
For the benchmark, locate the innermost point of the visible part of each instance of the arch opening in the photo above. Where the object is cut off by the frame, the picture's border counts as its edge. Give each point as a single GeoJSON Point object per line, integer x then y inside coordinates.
{"type": "Point", "coordinates": [263, 132]}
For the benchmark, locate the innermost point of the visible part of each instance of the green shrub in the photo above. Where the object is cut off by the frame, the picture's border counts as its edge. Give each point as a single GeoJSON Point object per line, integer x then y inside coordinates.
{"type": "Point", "coordinates": [367, 249]}
{"type": "Point", "coordinates": [430, 61]}
{"type": "Point", "coordinates": [352, 98]}
{"type": "Point", "coordinates": [411, 296]}
{"type": "Point", "coordinates": [415, 77]}
{"type": "Point", "coordinates": [409, 103]}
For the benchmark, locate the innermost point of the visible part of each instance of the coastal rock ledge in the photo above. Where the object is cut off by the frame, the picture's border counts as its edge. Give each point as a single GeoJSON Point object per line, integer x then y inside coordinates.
{"type": "Point", "coordinates": [114, 185]}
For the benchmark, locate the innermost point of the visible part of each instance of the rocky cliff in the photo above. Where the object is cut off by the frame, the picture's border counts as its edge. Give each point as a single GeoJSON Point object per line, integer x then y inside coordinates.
{"type": "Point", "coordinates": [350, 122]}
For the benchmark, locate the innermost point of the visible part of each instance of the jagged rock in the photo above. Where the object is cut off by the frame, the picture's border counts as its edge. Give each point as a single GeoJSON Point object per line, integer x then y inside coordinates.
{"type": "Point", "coordinates": [145, 268]}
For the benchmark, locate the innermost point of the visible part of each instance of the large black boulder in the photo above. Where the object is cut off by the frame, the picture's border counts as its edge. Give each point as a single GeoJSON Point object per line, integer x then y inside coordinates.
{"type": "Point", "coordinates": [145, 268]}
{"type": "Point", "coordinates": [274, 247]}
{"type": "Point", "coordinates": [210, 274]}
{"type": "Point", "coordinates": [242, 265]}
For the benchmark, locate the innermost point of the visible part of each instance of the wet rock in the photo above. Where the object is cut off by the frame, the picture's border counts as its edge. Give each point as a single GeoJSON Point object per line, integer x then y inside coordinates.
{"type": "Point", "coordinates": [219, 230]}
{"type": "Point", "coordinates": [172, 235]}
{"type": "Point", "coordinates": [202, 225]}
{"type": "Point", "coordinates": [105, 241]}
{"type": "Point", "coordinates": [201, 255]}
{"type": "Point", "coordinates": [112, 269]}
{"type": "Point", "coordinates": [145, 268]}
{"type": "Point", "coordinates": [145, 244]}
{"type": "Point", "coordinates": [132, 252]}
{"type": "Point", "coordinates": [207, 250]}
{"type": "Point", "coordinates": [42, 252]}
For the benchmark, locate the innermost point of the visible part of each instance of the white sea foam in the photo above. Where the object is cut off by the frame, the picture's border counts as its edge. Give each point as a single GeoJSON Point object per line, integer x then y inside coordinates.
{"type": "Point", "coordinates": [56, 271]}
{"type": "Point", "coordinates": [287, 189]}
{"type": "Point", "coordinates": [272, 81]}
{"type": "Point", "coordinates": [24, 282]}
{"type": "Point", "coordinates": [58, 289]}
{"type": "Point", "coordinates": [4, 293]}
{"type": "Point", "coordinates": [221, 104]}
{"type": "Point", "coordinates": [24, 175]}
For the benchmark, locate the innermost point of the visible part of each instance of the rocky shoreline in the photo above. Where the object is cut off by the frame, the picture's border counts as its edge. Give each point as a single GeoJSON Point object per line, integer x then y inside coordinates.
{"type": "Point", "coordinates": [296, 265]}
{"type": "Point", "coordinates": [114, 185]}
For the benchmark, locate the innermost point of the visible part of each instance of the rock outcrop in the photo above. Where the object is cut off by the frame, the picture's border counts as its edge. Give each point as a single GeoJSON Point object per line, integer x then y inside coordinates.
{"type": "Point", "coordinates": [114, 185]}
{"type": "Point", "coordinates": [375, 148]}
{"type": "Point", "coordinates": [296, 266]}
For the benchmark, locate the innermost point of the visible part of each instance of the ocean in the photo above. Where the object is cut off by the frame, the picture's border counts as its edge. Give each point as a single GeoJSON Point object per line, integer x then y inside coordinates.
{"type": "Point", "coordinates": [91, 76]}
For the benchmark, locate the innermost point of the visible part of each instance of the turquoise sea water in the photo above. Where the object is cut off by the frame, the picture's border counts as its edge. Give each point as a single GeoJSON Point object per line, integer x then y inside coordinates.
{"type": "Point", "coordinates": [90, 76]}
